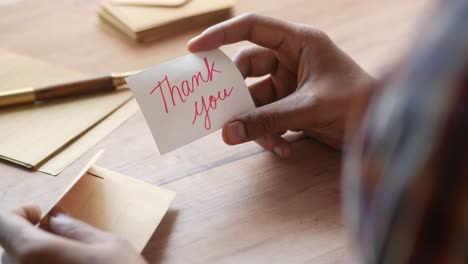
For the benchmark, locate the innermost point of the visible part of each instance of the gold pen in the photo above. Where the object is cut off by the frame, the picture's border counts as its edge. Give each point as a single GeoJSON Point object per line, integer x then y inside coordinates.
{"type": "Point", "coordinates": [87, 86]}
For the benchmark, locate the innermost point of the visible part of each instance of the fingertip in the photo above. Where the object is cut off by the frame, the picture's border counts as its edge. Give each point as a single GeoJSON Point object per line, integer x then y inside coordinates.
{"type": "Point", "coordinates": [64, 225]}
{"type": "Point", "coordinates": [58, 222]}
{"type": "Point", "coordinates": [234, 133]}
{"type": "Point", "coordinates": [225, 139]}
{"type": "Point", "coordinates": [283, 149]}
{"type": "Point", "coordinates": [276, 144]}
{"type": "Point", "coordinates": [200, 43]}
{"type": "Point", "coordinates": [191, 44]}
{"type": "Point", "coordinates": [282, 152]}
{"type": "Point", "coordinates": [57, 210]}
{"type": "Point", "coordinates": [207, 40]}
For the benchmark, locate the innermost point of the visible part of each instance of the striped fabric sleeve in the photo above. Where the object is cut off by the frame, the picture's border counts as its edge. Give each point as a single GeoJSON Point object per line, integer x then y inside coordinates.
{"type": "Point", "coordinates": [406, 170]}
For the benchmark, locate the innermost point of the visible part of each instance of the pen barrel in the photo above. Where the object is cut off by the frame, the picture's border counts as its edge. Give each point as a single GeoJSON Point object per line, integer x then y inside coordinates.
{"type": "Point", "coordinates": [99, 84]}
{"type": "Point", "coordinates": [17, 97]}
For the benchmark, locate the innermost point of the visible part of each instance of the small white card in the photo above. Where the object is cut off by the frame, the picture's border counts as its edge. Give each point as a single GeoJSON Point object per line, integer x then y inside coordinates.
{"type": "Point", "coordinates": [190, 97]}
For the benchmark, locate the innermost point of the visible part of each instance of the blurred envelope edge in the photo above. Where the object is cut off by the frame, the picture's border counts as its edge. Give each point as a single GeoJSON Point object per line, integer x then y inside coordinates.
{"type": "Point", "coordinates": [149, 3]}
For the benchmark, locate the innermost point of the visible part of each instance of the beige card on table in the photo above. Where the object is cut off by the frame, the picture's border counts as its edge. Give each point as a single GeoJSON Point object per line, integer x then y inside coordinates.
{"type": "Point", "coordinates": [122, 205]}
{"type": "Point", "coordinates": [49, 137]}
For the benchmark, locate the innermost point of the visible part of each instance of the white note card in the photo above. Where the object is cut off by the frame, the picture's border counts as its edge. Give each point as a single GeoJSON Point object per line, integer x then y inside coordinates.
{"type": "Point", "coordinates": [190, 97]}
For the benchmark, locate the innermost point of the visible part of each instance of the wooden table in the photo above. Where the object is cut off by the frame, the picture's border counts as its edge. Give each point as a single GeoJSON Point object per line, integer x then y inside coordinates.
{"type": "Point", "coordinates": [234, 204]}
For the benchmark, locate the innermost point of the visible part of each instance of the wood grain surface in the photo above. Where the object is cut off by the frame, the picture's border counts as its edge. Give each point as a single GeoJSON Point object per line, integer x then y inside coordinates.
{"type": "Point", "coordinates": [234, 204]}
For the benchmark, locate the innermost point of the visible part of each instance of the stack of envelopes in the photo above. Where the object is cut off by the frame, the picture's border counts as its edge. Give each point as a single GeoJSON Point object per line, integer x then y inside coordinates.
{"type": "Point", "coordinates": [50, 136]}
{"type": "Point", "coordinates": [146, 20]}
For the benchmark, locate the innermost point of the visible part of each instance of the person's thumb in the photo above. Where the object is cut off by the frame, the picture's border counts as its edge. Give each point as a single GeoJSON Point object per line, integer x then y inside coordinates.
{"type": "Point", "coordinates": [63, 225]}
{"type": "Point", "coordinates": [16, 231]}
{"type": "Point", "coordinates": [285, 114]}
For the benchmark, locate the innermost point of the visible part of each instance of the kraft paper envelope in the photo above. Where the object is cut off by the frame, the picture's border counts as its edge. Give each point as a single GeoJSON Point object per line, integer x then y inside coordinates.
{"type": "Point", "coordinates": [151, 22]}
{"type": "Point", "coordinates": [50, 136]}
{"type": "Point", "coordinates": [190, 97]}
{"type": "Point", "coordinates": [127, 207]}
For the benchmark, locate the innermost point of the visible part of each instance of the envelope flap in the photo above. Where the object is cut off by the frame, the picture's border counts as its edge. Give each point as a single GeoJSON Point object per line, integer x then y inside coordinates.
{"type": "Point", "coordinates": [78, 176]}
{"type": "Point", "coordinates": [122, 205]}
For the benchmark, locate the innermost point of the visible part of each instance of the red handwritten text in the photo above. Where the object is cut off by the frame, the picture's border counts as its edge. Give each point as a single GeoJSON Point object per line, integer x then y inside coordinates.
{"type": "Point", "coordinates": [186, 88]}
{"type": "Point", "coordinates": [207, 106]}
{"type": "Point", "coordinates": [180, 93]}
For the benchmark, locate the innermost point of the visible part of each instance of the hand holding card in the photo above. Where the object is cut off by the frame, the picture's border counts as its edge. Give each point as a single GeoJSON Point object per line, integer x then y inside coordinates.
{"type": "Point", "coordinates": [190, 97]}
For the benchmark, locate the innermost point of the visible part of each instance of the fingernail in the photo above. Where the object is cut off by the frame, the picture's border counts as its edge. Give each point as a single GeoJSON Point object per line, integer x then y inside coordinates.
{"type": "Point", "coordinates": [60, 219]}
{"type": "Point", "coordinates": [235, 132]}
{"type": "Point", "coordinates": [278, 151]}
